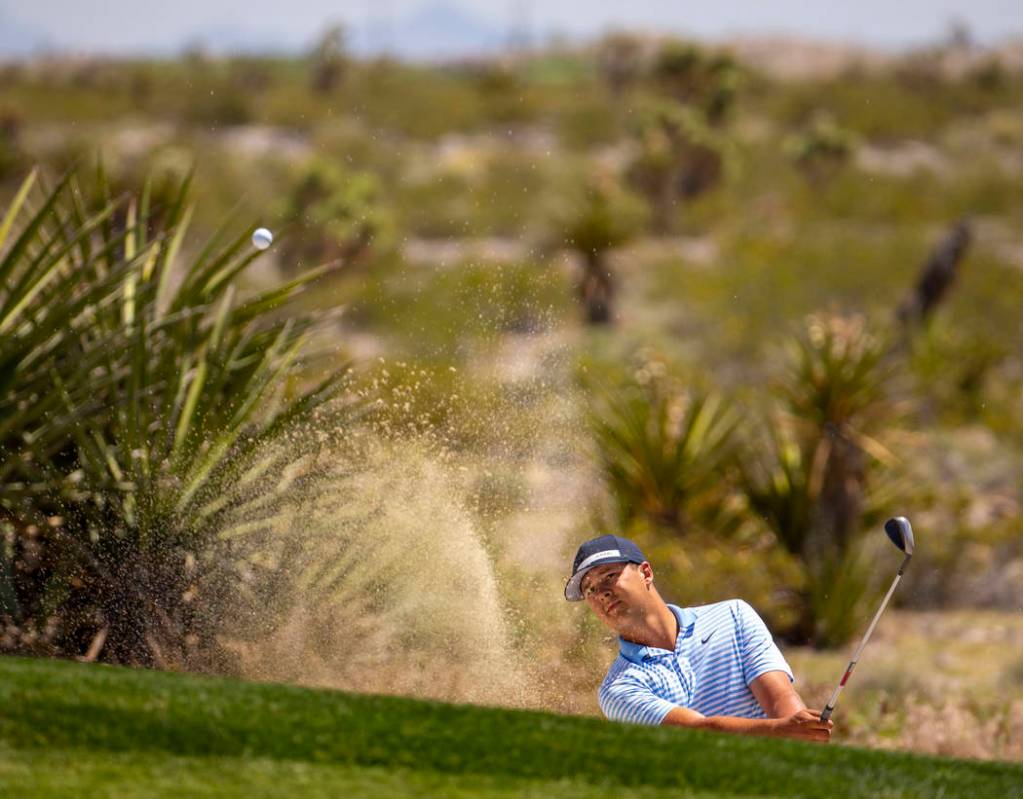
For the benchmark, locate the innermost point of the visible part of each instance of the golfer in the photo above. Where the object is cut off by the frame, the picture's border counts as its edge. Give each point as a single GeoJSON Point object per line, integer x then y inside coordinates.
{"type": "Point", "coordinates": [712, 667]}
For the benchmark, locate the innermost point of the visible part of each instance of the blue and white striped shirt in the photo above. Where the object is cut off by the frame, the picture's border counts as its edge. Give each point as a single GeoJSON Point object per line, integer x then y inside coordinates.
{"type": "Point", "coordinates": [719, 651]}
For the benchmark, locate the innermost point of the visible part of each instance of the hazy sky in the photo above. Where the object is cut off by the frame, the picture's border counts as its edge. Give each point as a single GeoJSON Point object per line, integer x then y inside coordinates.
{"type": "Point", "coordinates": [142, 24]}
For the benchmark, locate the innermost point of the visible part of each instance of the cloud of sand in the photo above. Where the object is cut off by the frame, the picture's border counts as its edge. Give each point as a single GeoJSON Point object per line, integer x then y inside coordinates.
{"type": "Point", "coordinates": [378, 579]}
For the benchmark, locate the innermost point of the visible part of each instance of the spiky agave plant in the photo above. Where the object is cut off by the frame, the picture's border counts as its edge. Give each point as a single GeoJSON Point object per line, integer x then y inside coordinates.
{"type": "Point", "coordinates": [806, 473]}
{"type": "Point", "coordinates": [140, 400]}
{"type": "Point", "coordinates": [663, 453]}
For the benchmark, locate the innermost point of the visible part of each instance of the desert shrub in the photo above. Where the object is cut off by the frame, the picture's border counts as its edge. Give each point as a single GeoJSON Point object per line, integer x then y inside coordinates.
{"type": "Point", "coordinates": [664, 452]}
{"type": "Point", "coordinates": [807, 472]}
{"type": "Point", "coordinates": [821, 148]}
{"type": "Point", "coordinates": [142, 401]}
{"type": "Point", "coordinates": [334, 215]}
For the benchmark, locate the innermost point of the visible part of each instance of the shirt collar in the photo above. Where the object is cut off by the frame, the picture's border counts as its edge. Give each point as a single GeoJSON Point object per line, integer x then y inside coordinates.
{"type": "Point", "coordinates": [638, 653]}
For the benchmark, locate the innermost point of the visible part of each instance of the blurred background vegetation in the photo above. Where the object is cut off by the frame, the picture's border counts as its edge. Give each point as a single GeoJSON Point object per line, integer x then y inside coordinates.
{"type": "Point", "coordinates": [643, 285]}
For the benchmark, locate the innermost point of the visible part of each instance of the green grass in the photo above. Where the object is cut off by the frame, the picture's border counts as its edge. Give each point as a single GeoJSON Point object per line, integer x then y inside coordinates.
{"type": "Point", "coordinates": [73, 729]}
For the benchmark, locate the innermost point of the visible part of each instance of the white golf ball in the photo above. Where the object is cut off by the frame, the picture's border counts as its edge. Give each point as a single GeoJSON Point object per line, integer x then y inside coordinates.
{"type": "Point", "coordinates": [262, 238]}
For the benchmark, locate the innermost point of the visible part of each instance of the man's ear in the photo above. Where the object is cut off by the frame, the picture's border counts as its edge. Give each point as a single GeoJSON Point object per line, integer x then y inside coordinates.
{"type": "Point", "coordinates": [648, 573]}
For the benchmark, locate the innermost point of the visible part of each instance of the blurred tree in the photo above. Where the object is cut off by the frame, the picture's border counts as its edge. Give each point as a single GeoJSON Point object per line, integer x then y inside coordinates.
{"type": "Point", "coordinates": [679, 156]}
{"type": "Point", "coordinates": [821, 148]}
{"type": "Point", "coordinates": [328, 60]}
{"type": "Point", "coordinates": [959, 35]}
{"type": "Point", "coordinates": [602, 217]}
{"type": "Point", "coordinates": [620, 61]}
{"type": "Point", "coordinates": [936, 276]}
{"type": "Point", "coordinates": [691, 76]}
{"type": "Point", "coordinates": [336, 215]}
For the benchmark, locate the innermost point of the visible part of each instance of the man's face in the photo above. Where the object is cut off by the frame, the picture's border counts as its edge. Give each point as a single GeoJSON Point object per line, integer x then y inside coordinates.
{"type": "Point", "coordinates": [617, 591]}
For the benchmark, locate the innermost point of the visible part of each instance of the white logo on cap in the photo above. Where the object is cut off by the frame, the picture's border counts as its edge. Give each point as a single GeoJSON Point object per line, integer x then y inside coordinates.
{"type": "Point", "coordinates": [607, 553]}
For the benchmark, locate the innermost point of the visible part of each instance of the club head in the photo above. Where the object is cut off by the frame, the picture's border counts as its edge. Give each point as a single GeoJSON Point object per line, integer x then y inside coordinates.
{"type": "Point", "coordinates": [901, 533]}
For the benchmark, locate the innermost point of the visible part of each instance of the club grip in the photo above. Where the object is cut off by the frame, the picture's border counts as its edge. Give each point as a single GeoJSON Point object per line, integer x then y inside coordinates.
{"type": "Point", "coordinates": [826, 713]}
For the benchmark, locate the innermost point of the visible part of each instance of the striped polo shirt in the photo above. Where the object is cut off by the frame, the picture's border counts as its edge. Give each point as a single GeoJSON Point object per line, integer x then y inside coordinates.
{"type": "Point", "coordinates": [719, 651]}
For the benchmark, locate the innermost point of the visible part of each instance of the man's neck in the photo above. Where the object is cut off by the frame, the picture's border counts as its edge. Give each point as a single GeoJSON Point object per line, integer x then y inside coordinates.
{"type": "Point", "coordinates": [656, 627]}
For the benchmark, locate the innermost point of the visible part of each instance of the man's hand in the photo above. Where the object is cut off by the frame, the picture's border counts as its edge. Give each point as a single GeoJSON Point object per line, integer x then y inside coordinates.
{"type": "Point", "coordinates": [803, 725]}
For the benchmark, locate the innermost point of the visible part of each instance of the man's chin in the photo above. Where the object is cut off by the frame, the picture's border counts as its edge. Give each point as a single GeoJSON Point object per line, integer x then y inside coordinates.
{"type": "Point", "coordinates": [616, 617]}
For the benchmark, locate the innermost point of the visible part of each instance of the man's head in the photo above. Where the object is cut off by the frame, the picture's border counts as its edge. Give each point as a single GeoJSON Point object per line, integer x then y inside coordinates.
{"type": "Point", "coordinates": [614, 578]}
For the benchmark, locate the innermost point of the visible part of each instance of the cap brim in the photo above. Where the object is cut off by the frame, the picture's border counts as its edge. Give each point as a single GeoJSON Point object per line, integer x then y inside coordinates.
{"type": "Point", "coordinates": [573, 589]}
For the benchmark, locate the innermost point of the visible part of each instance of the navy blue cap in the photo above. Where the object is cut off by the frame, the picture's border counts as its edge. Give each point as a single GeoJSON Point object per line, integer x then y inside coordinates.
{"type": "Point", "coordinates": [597, 552]}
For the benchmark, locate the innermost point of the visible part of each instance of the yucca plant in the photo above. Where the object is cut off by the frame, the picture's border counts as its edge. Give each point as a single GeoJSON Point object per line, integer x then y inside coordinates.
{"type": "Point", "coordinates": [663, 453]}
{"type": "Point", "coordinates": [696, 78]}
{"type": "Point", "coordinates": [821, 148]}
{"type": "Point", "coordinates": [329, 60]}
{"type": "Point", "coordinates": [619, 58]}
{"type": "Point", "coordinates": [603, 216]}
{"type": "Point", "coordinates": [336, 213]}
{"type": "Point", "coordinates": [141, 400]}
{"type": "Point", "coordinates": [806, 474]}
{"type": "Point", "coordinates": [836, 391]}
{"type": "Point", "coordinates": [679, 156]}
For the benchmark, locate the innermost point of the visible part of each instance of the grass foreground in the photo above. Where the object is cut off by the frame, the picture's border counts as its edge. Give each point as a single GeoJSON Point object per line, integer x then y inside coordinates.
{"type": "Point", "coordinates": [87, 730]}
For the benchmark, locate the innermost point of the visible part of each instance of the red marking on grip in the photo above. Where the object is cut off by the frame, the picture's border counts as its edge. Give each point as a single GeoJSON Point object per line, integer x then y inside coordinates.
{"type": "Point", "coordinates": [844, 678]}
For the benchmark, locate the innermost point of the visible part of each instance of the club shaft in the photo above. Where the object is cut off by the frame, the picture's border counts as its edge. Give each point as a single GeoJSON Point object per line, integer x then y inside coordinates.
{"type": "Point", "coordinates": [829, 708]}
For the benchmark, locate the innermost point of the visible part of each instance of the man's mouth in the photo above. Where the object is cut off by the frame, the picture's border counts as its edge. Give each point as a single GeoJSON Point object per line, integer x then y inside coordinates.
{"type": "Point", "coordinates": [613, 604]}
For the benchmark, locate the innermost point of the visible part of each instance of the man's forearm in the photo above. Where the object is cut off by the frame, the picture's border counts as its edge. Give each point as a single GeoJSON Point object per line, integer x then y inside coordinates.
{"type": "Point", "coordinates": [733, 724]}
{"type": "Point", "coordinates": [803, 724]}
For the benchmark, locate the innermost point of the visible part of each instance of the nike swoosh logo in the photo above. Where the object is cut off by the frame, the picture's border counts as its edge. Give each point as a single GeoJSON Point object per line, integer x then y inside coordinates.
{"type": "Point", "coordinates": [705, 640]}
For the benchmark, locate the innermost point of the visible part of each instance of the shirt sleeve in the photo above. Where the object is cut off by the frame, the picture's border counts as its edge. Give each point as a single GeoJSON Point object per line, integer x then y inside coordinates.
{"type": "Point", "coordinates": [633, 702]}
{"type": "Point", "coordinates": [759, 652]}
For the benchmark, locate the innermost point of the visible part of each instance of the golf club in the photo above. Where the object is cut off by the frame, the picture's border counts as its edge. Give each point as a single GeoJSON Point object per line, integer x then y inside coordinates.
{"type": "Point", "coordinates": [901, 534]}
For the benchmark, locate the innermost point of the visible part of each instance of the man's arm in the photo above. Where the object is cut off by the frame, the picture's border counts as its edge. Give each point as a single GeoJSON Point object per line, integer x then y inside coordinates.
{"type": "Point", "coordinates": [804, 725]}
{"type": "Point", "coordinates": [774, 692]}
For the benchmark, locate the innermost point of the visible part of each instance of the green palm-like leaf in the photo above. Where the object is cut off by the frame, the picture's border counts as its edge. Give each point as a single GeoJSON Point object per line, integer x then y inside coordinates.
{"type": "Point", "coordinates": [806, 473]}
{"type": "Point", "coordinates": [663, 453]}
{"type": "Point", "coordinates": [133, 411]}
{"type": "Point", "coordinates": [776, 478]}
